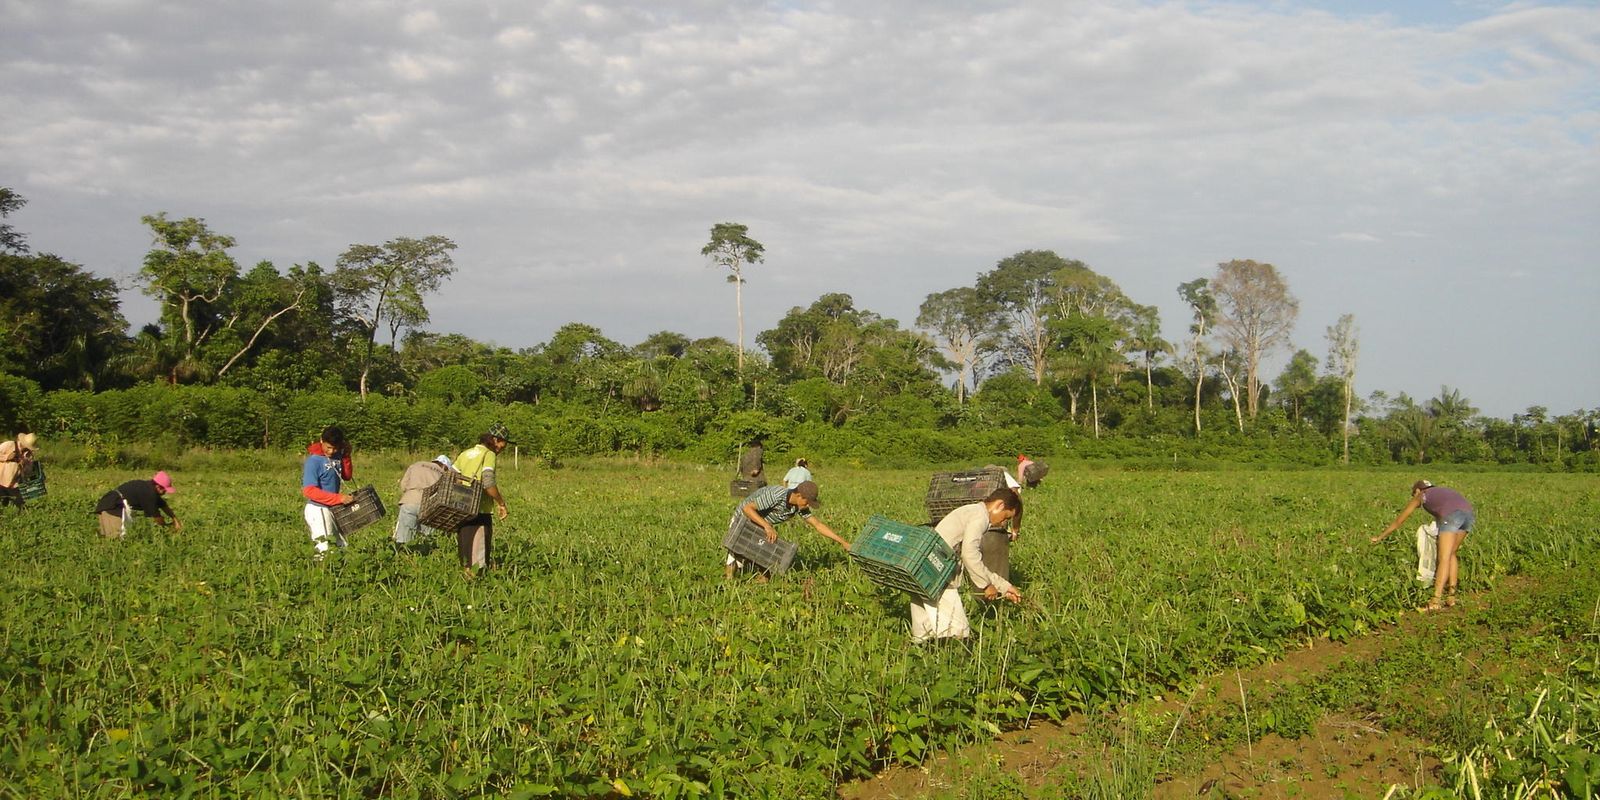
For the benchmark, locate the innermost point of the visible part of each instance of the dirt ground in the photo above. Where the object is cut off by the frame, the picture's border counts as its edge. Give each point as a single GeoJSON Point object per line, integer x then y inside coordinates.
{"type": "Point", "coordinates": [1341, 756]}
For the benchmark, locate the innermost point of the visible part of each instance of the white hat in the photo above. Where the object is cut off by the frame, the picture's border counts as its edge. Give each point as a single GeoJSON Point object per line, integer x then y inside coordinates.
{"type": "Point", "coordinates": [445, 460]}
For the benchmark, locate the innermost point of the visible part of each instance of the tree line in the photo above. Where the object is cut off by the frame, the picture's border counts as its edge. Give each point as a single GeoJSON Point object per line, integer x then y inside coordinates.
{"type": "Point", "coordinates": [1038, 345]}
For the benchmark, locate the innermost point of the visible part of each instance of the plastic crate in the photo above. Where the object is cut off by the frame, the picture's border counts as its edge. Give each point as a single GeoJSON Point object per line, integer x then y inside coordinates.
{"type": "Point", "coordinates": [364, 510]}
{"type": "Point", "coordinates": [948, 491]}
{"type": "Point", "coordinates": [742, 487]}
{"type": "Point", "coordinates": [33, 488]}
{"type": "Point", "coordinates": [912, 558]}
{"type": "Point", "coordinates": [748, 541]}
{"type": "Point", "coordinates": [450, 501]}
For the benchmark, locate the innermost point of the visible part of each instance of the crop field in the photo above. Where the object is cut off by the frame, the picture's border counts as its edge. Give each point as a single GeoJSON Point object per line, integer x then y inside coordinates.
{"type": "Point", "coordinates": [606, 657]}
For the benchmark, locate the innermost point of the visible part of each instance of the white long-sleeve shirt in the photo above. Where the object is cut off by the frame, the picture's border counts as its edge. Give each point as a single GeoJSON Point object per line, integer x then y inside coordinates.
{"type": "Point", "coordinates": [963, 529]}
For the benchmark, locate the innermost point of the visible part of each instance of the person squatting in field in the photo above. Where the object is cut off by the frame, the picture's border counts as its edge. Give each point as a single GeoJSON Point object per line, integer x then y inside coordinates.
{"type": "Point", "coordinates": [475, 537]}
{"type": "Point", "coordinates": [773, 505]}
{"type": "Point", "coordinates": [116, 507]}
{"type": "Point", "coordinates": [413, 482]}
{"type": "Point", "coordinates": [325, 470]}
{"type": "Point", "coordinates": [1455, 517]}
{"type": "Point", "coordinates": [963, 530]}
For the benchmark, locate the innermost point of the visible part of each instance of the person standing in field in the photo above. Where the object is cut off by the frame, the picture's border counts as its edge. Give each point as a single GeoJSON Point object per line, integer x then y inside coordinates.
{"type": "Point", "coordinates": [798, 474]}
{"type": "Point", "coordinates": [116, 507]}
{"type": "Point", "coordinates": [963, 529]}
{"type": "Point", "coordinates": [752, 466]}
{"type": "Point", "coordinates": [475, 537]}
{"type": "Point", "coordinates": [413, 482]}
{"type": "Point", "coordinates": [338, 450]}
{"type": "Point", "coordinates": [1455, 517]}
{"type": "Point", "coordinates": [325, 471]}
{"type": "Point", "coordinates": [773, 505]}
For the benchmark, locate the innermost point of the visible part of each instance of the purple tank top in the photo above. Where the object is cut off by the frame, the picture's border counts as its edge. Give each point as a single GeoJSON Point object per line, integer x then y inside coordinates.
{"type": "Point", "coordinates": [1441, 502]}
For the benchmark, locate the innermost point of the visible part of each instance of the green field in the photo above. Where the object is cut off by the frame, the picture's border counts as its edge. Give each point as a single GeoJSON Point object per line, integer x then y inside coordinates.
{"type": "Point", "coordinates": [606, 656]}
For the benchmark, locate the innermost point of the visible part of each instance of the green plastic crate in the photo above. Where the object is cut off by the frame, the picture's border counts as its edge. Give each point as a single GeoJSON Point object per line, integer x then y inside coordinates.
{"type": "Point", "coordinates": [948, 491]}
{"type": "Point", "coordinates": [912, 558]}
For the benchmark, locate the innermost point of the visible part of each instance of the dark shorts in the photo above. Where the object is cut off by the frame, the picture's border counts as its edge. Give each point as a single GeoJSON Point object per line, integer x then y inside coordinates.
{"type": "Point", "coordinates": [475, 541]}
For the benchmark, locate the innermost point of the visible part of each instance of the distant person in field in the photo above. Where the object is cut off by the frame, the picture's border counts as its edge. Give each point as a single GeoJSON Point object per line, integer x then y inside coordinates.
{"type": "Point", "coordinates": [10, 473]}
{"type": "Point", "coordinates": [475, 537]}
{"type": "Point", "coordinates": [116, 507]}
{"type": "Point", "coordinates": [30, 473]}
{"type": "Point", "coordinates": [798, 474]}
{"type": "Point", "coordinates": [1455, 518]}
{"type": "Point", "coordinates": [413, 482]}
{"type": "Point", "coordinates": [325, 470]}
{"type": "Point", "coordinates": [773, 505]}
{"type": "Point", "coordinates": [997, 541]}
{"type": "Point", "coordinates": [752, 467]}
{"type": "Point", "coordinates": [963, 529]}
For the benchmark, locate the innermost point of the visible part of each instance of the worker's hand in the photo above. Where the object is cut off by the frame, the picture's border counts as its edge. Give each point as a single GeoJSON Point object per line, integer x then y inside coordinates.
{"type": "Point", "coordinates": [1014, 535]}
{"type": "Point", "coordinates": [346, 499]}
{"type": "Point", "coordinates": [1377, 538]}
{"type": "Point", "coordinates": [990, 592]}
{"type": "Point", "coordinates": [504, 512]}
{"type": "Point", "coordinates": [1013, 595]}
{"type": "Point", "coordinates": [772, 535]}
{"type": "Point", "coordinates": [176, 525]}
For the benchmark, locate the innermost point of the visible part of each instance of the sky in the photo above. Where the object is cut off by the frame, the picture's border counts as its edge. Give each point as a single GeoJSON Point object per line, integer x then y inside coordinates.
{"type": "Point", "coordinates": [1431, 167]}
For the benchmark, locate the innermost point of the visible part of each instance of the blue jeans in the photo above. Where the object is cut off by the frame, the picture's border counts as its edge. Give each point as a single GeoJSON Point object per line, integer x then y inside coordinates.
{"type": "Point", "coordinates": [1457, 521]}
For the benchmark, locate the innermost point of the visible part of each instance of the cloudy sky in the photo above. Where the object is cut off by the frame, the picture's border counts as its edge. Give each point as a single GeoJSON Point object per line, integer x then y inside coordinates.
{"type": "Point", "coordinates": [1432, 168]}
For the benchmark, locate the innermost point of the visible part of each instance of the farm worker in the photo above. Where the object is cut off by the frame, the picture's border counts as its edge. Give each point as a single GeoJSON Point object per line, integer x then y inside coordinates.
{"type": "Point", "coordinates": [963, 530]}
{"type": "Point", "coordinates": [751, 465]}
{"type": "Point", "coordinates": [339, 445]}
{"type": "Point", "coordinates": [416, 479]}
{"type": "Point", "coordinates": [10, 471]}
{"type": "Point", "coordinates": [30, 475]}
{"type": "Point", "coordinates": [997, 541]}
{"type": "Point", "coordinates": [773, 505]}
{"type": "Point", "coordinates": [798, 474]}
{"type": "Point", "coordinates": [116, 507]}
{"type": "Point", "coordinates": [1455, 517]}
{"type": "Point", "coordinates": [475, 537]}
{"type": "Point", "coordinates": [320, 480]}
{"type": "Point", "coordinates": [1030, 472]}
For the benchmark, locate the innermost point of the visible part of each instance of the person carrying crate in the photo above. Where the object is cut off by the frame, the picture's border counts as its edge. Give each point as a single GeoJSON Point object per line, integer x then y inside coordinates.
{"type": "Point", "coordinates": [773, 505]}
{"type": "Point", "coordinates": [324, 472]}
{"type": "Point", "coordinates": [475, 537]}
{"type": "Point", "coordinates": [413, 482]}
{"type": "Point", "coordinates": [963, 530]}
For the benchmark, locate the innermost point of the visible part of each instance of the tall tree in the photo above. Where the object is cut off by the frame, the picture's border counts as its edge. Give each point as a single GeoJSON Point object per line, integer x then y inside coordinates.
{"type": "Point", "coordinates": [1296, 382]}
{"type": "Point", "coordinates": [1203, 312]}
{"type": "Point", "coordinates": [1144, 338]}
{"type": "Point", "coordinates": [963, 327]}
{"type": "Point", "coordinates": [1343, 348]}
{"type": "Point", "coordinates": [1088, 351]}
{"type": "Point", "coordinates": [189, 270]}
{"type": "Point", "coordinates": [1258, 313]}
{"type": "Point", "coordinates": [11, 240]}
{"type": "Point", "coordinates": [384, 285]}
{"type": "Point", "coordinates": [731, 247]}
{"type": "Point", "coordinates": [59, 325]}
{"type": "Point", "coordinates": [1023, 289]}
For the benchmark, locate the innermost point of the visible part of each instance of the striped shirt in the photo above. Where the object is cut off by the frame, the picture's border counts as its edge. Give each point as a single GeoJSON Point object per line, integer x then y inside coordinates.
{"type": "Point", "coordinates": [772, 503]}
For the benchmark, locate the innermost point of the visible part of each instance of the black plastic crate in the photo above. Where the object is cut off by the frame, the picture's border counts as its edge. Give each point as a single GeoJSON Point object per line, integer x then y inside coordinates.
{"type": "Point", "coordinates": [742, 487]}
{"type": "Point", "coordinates": [748, 541]}
{"type": "Point", "coordinates": [948, 491]}
{"type": "Point", "coordinates": [450, 501]}
{"type": "Point", "coordinates": [364, 510]}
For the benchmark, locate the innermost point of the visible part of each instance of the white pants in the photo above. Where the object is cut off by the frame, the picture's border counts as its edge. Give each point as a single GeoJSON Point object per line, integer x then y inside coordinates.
{"type": "Point", "coordinates": [320, 520]}
{"type": "Point", "coordinates": [942, 619]}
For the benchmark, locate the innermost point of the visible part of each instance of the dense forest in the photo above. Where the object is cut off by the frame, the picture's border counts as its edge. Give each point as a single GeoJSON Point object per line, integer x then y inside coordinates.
{"type": "Point", "coordinates": [1040, 354]}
